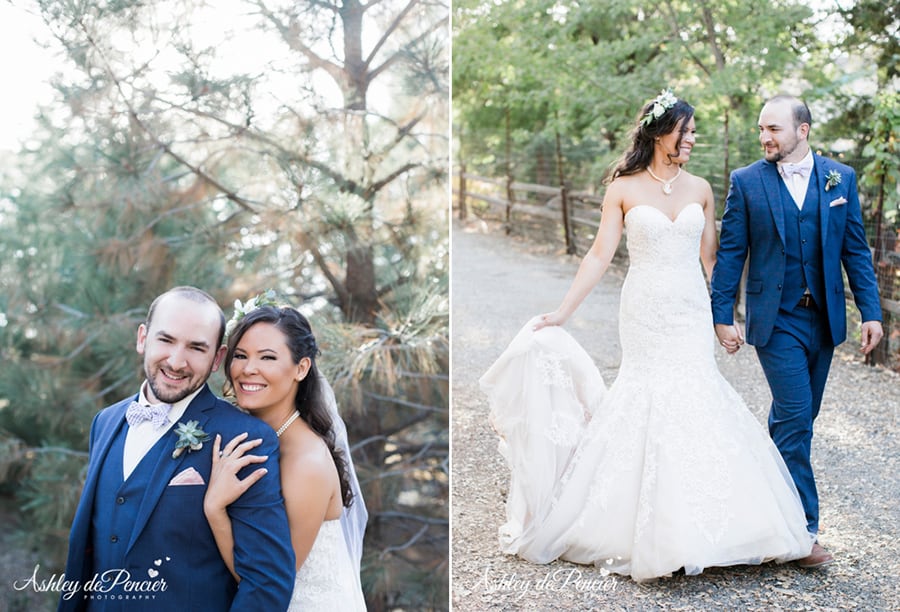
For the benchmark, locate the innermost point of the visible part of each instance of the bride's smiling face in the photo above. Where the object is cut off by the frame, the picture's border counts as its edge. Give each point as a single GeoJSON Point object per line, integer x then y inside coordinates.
{"type": "Point", "coordinates": [679, 142]}
{"type": "Point", "coordinates": [263, 372]}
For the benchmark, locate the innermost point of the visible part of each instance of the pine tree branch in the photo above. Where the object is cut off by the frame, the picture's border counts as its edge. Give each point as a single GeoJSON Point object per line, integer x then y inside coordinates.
{"type": "Point", "coordinates": [396, 56]}
{"type": "Point", "coordinates": [676, 34]}
{"type": "Point", "coordinates": [406, 403]}
{"type": "Point", "coordinates": [343, 183]}
{"type": "Point", "coordinates": [389, 31]}
{"type": "Point", "coordinates": [293, 42]}
{"type": "Point", "coordinates": [413, 540]}
{"type": "Point", "coordinates": [132, 112]}
{"type": "Point", "coordinates": [372, 190]}
{"type": "Point", "coordinates": [406, 516]}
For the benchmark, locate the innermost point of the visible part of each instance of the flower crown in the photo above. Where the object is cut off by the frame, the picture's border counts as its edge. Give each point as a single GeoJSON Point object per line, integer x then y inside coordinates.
{"type": "Point", "coordinates": [241, 310]}
{"type": "Point", "coordinates": [663, 102]}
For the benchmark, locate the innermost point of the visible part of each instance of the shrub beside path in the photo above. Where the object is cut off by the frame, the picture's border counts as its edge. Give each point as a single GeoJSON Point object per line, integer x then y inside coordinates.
{"type": "Point", "coordinates": [500, 282]}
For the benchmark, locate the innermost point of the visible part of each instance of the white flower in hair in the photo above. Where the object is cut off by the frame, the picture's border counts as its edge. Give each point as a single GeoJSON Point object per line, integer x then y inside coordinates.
{"type": "Point", "coordinates": [663, 102]}
{"type": "Point", "coordinates": [241, 310]}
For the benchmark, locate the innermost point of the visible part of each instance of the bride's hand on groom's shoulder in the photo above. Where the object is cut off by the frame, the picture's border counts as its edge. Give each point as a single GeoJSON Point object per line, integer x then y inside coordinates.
{"type": "Point", "coordinates": [224, 484]}
{"type": "Point", "coordinates": [548, 319]}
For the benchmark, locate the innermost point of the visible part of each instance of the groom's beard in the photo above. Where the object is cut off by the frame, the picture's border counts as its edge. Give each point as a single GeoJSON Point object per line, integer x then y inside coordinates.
{"type": "Point", "coordinates": [784, 150]}
{"type": "Point", "coordinates": [164, 391]}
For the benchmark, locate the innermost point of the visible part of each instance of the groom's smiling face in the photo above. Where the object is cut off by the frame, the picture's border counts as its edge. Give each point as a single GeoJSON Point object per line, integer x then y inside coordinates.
{"type": "Point", "coordinates": [179, 346]}
{"type": "Point", "coordinates": [781, 139]}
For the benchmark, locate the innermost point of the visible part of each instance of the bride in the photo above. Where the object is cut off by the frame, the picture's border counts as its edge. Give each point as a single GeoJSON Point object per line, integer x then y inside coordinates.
{"type": "Point", "coordinates": [667, 469]}
{"type": "Point", "coordinates": [270, 365]}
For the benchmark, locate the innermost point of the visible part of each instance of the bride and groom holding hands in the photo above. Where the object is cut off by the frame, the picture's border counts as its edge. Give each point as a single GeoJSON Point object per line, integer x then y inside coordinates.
{"type": "Point", "coordinates": [191, 503]}
{"type": "Point", "coordinates": [667, 469]}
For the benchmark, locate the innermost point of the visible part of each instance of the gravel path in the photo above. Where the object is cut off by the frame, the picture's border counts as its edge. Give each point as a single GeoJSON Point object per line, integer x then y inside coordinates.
{"type": "Point", "coordinates": [498, 283]}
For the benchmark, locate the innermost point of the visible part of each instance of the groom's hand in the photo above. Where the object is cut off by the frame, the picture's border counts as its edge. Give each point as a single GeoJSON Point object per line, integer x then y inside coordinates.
{"type": "Point", "coordinates": [730, 337]}
{"type": "Point", "coordinates": [870, 335]}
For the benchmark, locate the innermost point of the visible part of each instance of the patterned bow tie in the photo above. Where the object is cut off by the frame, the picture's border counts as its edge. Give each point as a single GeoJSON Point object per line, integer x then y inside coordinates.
{"type": "Point", "coordinates": [788, 170]}
{"type": "Point", "coordinates": [157, 414]}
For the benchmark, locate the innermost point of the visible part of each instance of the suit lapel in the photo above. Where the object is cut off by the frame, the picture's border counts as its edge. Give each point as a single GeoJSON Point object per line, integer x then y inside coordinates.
{"type": "Point", "coordinates": [824, 209]}
{"type": "Point", "coordinates": [166, 467]}
{"type": "Point", "coordinates": [105, 436]}
{"type": "Point", "coordinates": [771, 183]}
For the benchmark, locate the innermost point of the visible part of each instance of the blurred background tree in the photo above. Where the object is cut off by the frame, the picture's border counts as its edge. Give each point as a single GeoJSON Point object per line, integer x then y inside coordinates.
{"type": "Point", "coordinates": [530, 73]}
{"type": "Point", "coordinates": [236, 146]}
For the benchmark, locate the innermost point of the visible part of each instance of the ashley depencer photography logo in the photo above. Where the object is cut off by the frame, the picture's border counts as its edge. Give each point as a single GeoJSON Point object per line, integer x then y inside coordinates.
{"type": "Point", "coordinates": [552, 581]}
{"type": "Point", "coordinates": [117, 584]}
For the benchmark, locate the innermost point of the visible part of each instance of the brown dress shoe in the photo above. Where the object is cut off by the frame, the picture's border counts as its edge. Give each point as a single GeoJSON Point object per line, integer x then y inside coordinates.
{"type": "Point", "coordinates": [819, 557]}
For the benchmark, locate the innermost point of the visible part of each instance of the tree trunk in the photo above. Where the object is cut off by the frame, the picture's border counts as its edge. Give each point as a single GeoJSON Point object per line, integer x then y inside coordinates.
{"type": "Point", "coordinates": [361, 303]}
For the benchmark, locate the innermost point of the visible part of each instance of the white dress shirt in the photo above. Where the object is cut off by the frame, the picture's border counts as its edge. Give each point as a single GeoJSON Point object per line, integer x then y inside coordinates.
{"type": "Point", "coordinates": [141, 438]}
{"type": "Point", "coordinates": [797, 182]}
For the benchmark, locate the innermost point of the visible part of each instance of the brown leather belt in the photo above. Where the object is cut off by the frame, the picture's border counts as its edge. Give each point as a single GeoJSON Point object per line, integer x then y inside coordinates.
{"type": "Point", "coordinates": [807, 302]}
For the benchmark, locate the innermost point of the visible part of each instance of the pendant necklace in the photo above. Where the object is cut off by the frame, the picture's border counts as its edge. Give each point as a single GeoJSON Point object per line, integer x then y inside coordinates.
{"type": "Point", "coordinates": [666, 185]}
{"type": "Point", "coordinates": [287, 423]}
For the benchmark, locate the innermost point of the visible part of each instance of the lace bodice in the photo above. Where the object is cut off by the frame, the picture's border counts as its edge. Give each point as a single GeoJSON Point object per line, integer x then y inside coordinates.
{"type": "Point", "coordinates": [326, 581]}
{"type": "Point", "coordinates": [664, 313]}
{"type": "Point", "coordinates": [657, 242]}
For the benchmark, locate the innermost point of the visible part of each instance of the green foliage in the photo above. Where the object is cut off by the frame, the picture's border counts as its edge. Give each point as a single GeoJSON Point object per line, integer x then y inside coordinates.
{"type": "Point", "coordinates": [883, 171]}
{"type": "Point", "coordinates": [876, 33]}
{"type": "Point", "coordinates": [585, 70]}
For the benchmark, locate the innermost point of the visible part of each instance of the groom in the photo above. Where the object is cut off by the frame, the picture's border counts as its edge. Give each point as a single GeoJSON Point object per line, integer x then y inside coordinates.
{"type": "Point", "coordinates": [140, 540]}
{"type": "Point", "coordinates": [798, 216]}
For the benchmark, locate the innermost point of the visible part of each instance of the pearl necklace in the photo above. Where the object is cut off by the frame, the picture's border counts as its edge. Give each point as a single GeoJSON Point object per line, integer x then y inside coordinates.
{"type": "Point", "coordinates": [666, 185]}
{"type": "Point", "coordinates": [287, 423]}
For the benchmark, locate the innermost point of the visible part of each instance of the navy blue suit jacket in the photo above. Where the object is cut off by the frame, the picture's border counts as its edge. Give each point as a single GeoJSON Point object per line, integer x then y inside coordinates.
{"type": "Point", "coordinates": [754, 222]}
{"type": "Point", "coordinates": [171, 525]}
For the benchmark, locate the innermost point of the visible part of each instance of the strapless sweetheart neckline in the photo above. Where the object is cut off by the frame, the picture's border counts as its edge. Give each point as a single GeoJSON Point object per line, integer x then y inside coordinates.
{"type": "Point", "coordinates": [686, 206]}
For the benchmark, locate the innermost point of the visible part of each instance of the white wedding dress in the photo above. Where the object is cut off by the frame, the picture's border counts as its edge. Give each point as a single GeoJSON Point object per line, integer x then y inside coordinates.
{"type": "Point", "coordinates": [327, 580]}
{"type": "Point", "coordinates": [667, 469]}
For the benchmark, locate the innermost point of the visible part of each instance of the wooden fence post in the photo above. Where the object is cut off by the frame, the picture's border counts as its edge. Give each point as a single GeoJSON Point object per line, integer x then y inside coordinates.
{"type": "Point", "coordinates": [564, 197]}
{"type": "Point", "coordinates": [567, 224]}
{"type": "Point", "coordinates": [463, 212]}
{"type": "Point", "coordinates": [509, 178]}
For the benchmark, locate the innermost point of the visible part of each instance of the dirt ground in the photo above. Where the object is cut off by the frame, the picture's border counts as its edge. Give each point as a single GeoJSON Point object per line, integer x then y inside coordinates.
{"type": "Point", "coordinates": [498, 284]}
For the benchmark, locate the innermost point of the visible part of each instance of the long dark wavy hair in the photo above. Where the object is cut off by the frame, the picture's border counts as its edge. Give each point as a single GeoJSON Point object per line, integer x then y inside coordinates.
{"type": "Point", "coordinates": [639, 154]}
{"type": "Point", "coordinates": [310, 400]}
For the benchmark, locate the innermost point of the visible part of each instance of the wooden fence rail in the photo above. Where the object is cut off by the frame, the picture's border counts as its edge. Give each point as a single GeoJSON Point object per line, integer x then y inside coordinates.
{"type": "Point", "coordinates": [558, 204]}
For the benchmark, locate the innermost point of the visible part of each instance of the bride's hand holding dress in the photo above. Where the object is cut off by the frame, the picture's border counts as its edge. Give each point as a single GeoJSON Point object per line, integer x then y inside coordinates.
{"type": "Point", "coordinates": [595, 262]}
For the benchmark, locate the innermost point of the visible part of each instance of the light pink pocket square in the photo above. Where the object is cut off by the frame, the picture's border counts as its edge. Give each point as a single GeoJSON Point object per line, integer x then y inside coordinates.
{"type": "Point", "coordinates": [838, 202]}
{"type": "Point", "coordinates": [189, 476]}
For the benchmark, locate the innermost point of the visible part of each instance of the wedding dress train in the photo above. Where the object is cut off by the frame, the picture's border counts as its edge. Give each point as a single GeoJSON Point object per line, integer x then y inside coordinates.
{"type": "Point", "coordinates": [666, 469]}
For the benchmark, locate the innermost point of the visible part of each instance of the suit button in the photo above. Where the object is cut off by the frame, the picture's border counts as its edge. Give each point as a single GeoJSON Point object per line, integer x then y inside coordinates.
{"type": "Point", "coordinates": [120, 500]}
{"type": "Point", "coordinates": [779, 286]}
{"type": "Point", "coordinates": [114, 539]}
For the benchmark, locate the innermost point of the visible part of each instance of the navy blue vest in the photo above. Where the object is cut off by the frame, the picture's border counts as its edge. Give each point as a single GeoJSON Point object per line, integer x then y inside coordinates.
{"type": "Point", "coordinates": [802, 247]}
{"type": "Point", "coordinates": [115, 514]}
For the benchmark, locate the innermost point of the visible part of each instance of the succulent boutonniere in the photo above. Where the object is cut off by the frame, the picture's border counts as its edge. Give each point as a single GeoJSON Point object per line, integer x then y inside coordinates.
{"type": "Point", "coordinates": [190, 437]}
{"type": "Point", "coordinates": [832, 179]}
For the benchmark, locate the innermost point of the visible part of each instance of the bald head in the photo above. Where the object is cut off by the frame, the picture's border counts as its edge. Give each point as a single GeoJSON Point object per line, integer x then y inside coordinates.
{"type": "Point", "coordinates": [797, 108]}
{"type": "Point", "coordinates": [191, 294]}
